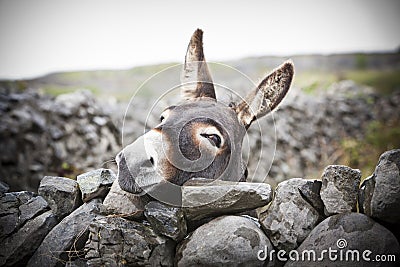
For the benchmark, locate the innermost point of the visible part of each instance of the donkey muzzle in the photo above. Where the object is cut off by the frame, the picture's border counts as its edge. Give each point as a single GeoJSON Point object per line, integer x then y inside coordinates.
{"type": "Point", "coordinates": [136, 172]}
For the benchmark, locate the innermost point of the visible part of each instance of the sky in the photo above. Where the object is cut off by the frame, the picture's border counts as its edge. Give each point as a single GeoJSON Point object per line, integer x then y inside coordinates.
{"type": "Point", "coordinates": [44, 36]}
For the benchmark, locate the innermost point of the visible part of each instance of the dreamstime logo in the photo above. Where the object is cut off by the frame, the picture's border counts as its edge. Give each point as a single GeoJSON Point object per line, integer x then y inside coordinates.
{"type": "Point", "coordinates": [341, 243]}
{"type": "Point", "coordinates": [168, 145]}
{"type": "Point", "coordinates": [330, 254]}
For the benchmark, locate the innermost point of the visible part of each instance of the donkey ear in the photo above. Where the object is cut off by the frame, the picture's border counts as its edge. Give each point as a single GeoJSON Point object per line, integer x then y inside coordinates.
{"type": "Point", "coordinates": [267, 96]}
{"type": "Point", "coordinates": [196, 78]}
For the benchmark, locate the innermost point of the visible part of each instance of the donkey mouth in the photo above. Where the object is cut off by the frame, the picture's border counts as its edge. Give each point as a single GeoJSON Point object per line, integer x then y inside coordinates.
{"type": "Point", "coordinates": [125, 179]}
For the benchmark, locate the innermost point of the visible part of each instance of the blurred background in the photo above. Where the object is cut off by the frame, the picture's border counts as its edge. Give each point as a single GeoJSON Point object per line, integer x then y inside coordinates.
{"type": "Point", "coordinates": [68, 70]}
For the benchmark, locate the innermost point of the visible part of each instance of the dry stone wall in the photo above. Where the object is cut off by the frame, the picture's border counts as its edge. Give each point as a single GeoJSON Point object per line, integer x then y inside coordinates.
{"type": "Point", "coordinates": [42, 135]}
{"type": "Point", "coordinates": [241, 228]}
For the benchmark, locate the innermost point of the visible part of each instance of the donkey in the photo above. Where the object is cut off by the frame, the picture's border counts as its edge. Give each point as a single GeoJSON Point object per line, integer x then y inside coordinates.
{"type": "Point", "coordinates": [199, 137]}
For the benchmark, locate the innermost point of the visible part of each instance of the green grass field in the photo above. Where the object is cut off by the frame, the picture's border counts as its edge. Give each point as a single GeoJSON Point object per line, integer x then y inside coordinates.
{"type": "Point", "coordinates": [383, 82]}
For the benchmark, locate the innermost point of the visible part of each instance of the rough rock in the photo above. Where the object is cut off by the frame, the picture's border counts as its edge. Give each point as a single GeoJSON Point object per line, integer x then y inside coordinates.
{"type": "Point", "coordinates": [380, 193]}
{"type": "Point", "coordinates": [166, 220]}
{"type": "Point", "coordinates": [17, 208]}
{"type": "Point", "coordinates": [225, 241]}
{"type": "Point", "coordinates": [95, 183]}
{"type": "Point", "coordinates": [25, 220]}
{"type": "Point", "coordinates": [290, 217]}
{"type": "Point", "coordinates": [32, 208]}
{"type": "Point", "coordinates": [67, 238]}
{"type": "Point", "coordinates": [339, 189]}
{"type": "Point", "coordinates": [344, 234]}
{"type": "Point", "coordinates": [115, 241]}
{"type": "Point", "coordinates": [71, 103]}
{"type": "Point", "coordinates": [214, 199]}
{"type": "Point", "coordinates": [125, 204]}
{"type": "Point", "coordinates": [311, 193]}
{"type": "Point", "coordinates": [61, 193]}
{"type": "Point", "coordinates": [76, 263]}
{"type": "Point", "coordinates": [17, 248]}
{"type": "Point", "coordinates": [365, 195]}
{"type": "Point", "coordinates": [3, 188]}
{"type": "Point", "coordinates": [9, 214]}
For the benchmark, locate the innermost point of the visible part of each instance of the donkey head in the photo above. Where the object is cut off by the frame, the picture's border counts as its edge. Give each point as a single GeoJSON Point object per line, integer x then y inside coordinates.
{"type": "Point", "coordinates": [199, 137]}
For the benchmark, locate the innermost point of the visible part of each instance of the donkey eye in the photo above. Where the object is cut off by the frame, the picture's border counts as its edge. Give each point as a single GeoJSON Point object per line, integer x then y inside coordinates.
{"type": "Point", "coordinates": [162, 118]}
{"type": "Point", "coordinates": [214, 139]}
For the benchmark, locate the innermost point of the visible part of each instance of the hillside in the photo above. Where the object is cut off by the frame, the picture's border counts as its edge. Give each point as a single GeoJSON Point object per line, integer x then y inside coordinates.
{"type": "Point", "coordinates": [380, 70]}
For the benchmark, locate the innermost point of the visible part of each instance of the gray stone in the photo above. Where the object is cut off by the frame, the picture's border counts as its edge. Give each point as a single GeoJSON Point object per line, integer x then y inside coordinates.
{"type": "Point", "coordinates": [69, 104]}
{"type": "Point", "coordinates": [347, 233]}
{"type": "Point", "coordinates": [75, 143]}
{"type": "Point", "coordinates": [76, 263]}
{"type": "Point", "coordinates": [289, 218]}
{"type": "Point", "coordinates": [223, 197]}
{"type": "Point", "coordinates": [61, 193]}
{"type": "Point", "coordinates": [37, 139]}
{"type": "Point", "coordinates": [9, 218]}
{"type": "Point", "coordinates": [339, 189]}
{"type": "Point", "coordinates": [95, 183]}
{"type": "Point", "coordinates": [67, 238]}
{"type": "Point", "coordinates": [18, 207]}
{"type": "Point", "coordinates": [23, 117]}
{"type": "Point", "coordinates": [380, 193]}
{"type": "Point", "coordinates": [60, 150]}
{"type": "Point", "coordinates": [166, 220]}
{"type": "Point", "coordinates": [101, 121]}
{"type": "Point", "coordinates": [365, 195]}
{"type": "Point", "coordinates": [8, 224]}
{"type": "Point", "coordinates": [8, 203]}
{"type": "Point", "coordinates": [17, 248]}
{"type": "Point", "coordinates": [32, 208]}
{"type": "Point", "coordinates": [38, 120]}
{"type": "Point", "coordinates": [122, 203]}
{"type": "Point", "coordinates": [8, 155]}
{"type": "Point", "coordinates": [225, 241]}
{"type": "Point", "coordinates": [3, 188]}
{"type": "Point", "coordinates": [55, 132]}
{"type": "Point", "coordinates": [311, 193]}
{"type": "Point", "coordinates": [114, 241]}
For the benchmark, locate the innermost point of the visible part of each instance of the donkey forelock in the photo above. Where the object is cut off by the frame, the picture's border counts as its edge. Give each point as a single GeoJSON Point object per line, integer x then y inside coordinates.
{"type": "Point", "coordinates": [199, 137]}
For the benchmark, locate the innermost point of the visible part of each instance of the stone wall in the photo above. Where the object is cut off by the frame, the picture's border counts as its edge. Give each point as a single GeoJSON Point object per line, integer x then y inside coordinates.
{"type": "Point", "coordinates": [90, 221]}
{"type": "Point", "coordinates": [42, 135]}
{"type": "Point", "coordinates": [72, 133]}
{"type": "Point", "coordinates": [310, 130]}
{"type": "Point", "coordinates": [239, 228]}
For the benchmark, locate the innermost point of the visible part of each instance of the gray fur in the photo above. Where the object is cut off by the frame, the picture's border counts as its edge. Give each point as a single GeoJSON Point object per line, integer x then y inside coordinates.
{"type": "Point", "coordinates": [178, 149]}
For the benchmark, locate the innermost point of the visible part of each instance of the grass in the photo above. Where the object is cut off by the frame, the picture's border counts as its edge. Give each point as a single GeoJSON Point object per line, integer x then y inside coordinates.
{"type": "Point", "coordinates": [364, 153]}
{"type": "Point", "coordinates": [56, 90]}
{"type": "Point", "coordinates": [149, 69]}
{"type": "Point", "coordinates": [312, 81]}
{"type": "Point", "coordinates": [384, 82]}
{"type": "Point", "coordinates": [14, 86]}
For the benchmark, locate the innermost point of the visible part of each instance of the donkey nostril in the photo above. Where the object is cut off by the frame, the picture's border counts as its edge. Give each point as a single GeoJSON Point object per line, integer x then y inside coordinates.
{"type": "Point", "coordinates": [151, 160]}
{"type": "Point", "coordinates": [119, 157]}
